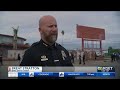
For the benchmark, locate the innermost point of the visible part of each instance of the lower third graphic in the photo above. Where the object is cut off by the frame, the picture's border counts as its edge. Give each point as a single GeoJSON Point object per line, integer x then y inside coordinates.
{"type": "Point", "coordinates": [61, 74]}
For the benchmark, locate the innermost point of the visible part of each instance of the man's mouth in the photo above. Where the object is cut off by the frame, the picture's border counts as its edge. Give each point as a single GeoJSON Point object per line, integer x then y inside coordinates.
{"type": "Point", "coordinates": [54, 34]}
{"type": "Point", "coordinates": [54, 37]}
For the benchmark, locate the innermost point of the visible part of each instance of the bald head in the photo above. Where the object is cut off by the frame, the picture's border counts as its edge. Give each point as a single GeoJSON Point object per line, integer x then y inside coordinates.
{"type": "Point", "coordinates": [45, 19]}
{"type": "Point", "coordinates": [48, 29]}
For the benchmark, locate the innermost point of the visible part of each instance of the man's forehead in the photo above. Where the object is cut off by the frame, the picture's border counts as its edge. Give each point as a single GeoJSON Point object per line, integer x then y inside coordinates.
{"type": "Point", "coordinates": [47, 20]}
{"type": "Point", "coordinates": [47, 16]}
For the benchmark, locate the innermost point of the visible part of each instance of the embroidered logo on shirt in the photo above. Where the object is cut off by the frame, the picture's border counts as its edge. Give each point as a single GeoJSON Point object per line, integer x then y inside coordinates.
{"type": "Point", "coordinates": [63, 54]}
{"type": "Point", "coordinates": [44, 58]}
{"type": "Point", "coordinates": [56, 60]}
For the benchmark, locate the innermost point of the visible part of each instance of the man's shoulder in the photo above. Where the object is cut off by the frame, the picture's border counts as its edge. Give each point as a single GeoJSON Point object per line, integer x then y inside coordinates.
{"type": "Point", "coordinates": [61, 47]}
{"type": "Point", "coordinates": [33, 46]}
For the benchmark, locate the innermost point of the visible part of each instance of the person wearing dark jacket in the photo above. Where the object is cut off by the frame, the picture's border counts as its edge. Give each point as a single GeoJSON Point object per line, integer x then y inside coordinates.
{"type": "Point", "coordinates": [47, 52]}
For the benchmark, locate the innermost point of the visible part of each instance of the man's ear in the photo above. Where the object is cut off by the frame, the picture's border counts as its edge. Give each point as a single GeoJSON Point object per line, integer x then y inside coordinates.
{"type": "Point", "coordinates": [39, 29]}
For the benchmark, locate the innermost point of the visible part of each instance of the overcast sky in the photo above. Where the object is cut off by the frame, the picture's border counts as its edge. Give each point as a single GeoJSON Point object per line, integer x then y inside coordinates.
{"type": "Point", "coordinates": [67, 20]}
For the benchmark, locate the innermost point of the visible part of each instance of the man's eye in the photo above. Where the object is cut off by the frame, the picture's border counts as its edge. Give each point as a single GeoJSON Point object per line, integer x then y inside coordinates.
{"type": "Point", "coordinates": [55, 25]}
{"type": "Point", "coordinates": [50, 26]}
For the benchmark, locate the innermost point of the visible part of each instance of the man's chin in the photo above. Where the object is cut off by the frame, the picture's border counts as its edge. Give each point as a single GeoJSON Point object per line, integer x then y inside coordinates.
{"type": "Point", "coordinates": [54, 38]}
{"type": "Point", "coordinates": [53, 41]}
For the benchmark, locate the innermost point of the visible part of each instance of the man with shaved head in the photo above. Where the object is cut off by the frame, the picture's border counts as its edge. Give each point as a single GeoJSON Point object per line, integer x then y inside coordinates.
{"type": "Point", "coordinates": [47, 52]}
{"type": "Point", "coordinates": [48, 29]}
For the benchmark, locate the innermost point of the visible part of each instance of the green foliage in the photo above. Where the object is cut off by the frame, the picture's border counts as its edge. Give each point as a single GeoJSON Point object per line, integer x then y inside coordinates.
{"type": "Point", "coordinates": [111, 50]}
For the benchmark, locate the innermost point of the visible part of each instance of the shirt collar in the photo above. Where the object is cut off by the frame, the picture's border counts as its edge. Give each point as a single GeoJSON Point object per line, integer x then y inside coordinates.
{"type": "Point", "coordinates": [46, 45]}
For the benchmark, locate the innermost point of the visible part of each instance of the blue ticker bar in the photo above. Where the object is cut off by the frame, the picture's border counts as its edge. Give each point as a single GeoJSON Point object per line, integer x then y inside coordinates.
{"type": "Point", "coordinates": [102, 74]}
{"type": "Point", "coordinates": [72, 74]}
{"type": "Point", "coordinates": [67, 74]}
{"type": "Point", "coordinates": [96, 74]}
{"type": "Point", "coordinates": [23, 74]}
{"type": "Point", "coordinates": [46, 74]}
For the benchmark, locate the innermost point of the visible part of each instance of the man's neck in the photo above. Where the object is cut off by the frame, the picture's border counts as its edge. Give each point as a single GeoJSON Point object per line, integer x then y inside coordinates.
{"type": "Point", "coordinates": [50, 44]}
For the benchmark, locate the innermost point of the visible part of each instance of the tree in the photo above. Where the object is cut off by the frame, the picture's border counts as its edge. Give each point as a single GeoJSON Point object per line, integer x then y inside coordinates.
{"type": "Point", "coordinates": [110, 50]}
{"type": "Point", "coordinates": [62, 32]}
{"type": "Point", "coordinates": [15, 37]}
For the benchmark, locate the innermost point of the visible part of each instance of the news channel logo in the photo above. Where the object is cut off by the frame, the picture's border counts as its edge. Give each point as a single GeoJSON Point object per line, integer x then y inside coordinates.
{"type": "Point", "coordinates": [61, 74]}
{"type": "Point", "coordinates": [105, 69]}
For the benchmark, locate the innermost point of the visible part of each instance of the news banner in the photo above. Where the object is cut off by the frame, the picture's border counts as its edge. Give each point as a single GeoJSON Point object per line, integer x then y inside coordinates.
{"type": "Point", "coordinates": [37, 71]}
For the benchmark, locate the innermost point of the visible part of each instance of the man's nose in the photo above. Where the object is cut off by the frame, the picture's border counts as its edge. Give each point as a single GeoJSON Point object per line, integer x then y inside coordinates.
{"type": "Point", "coordinates": [54, 28]}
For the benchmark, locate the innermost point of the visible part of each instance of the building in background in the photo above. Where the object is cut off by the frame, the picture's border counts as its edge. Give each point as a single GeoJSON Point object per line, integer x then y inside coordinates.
{"type": "Point", "coordinates": [6, 46]}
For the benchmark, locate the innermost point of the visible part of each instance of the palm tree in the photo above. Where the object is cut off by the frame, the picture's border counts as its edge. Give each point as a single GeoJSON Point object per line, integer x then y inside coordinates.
{"type": "Point", "coordinates": [15, 37]}
{"type": "Point", "coordinates": [62, 32]}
